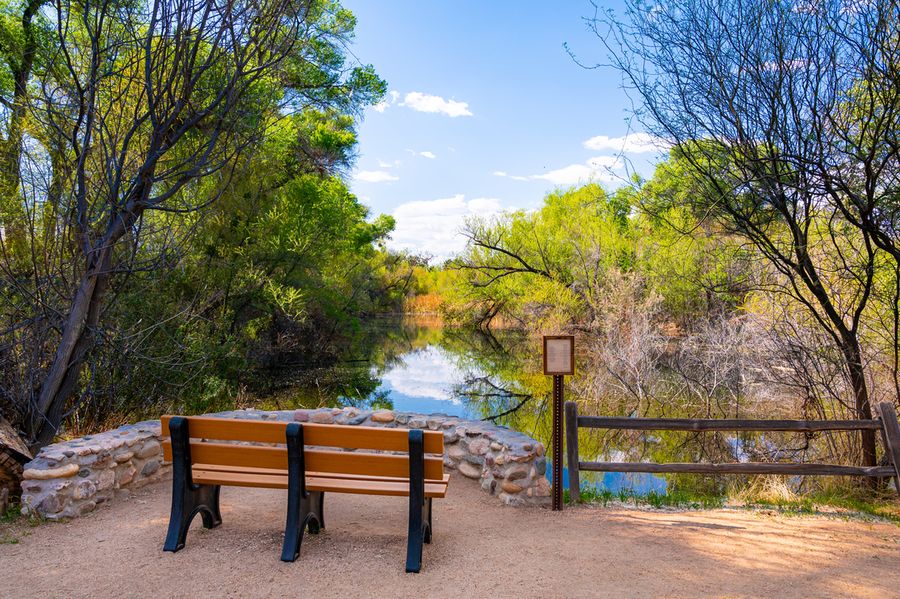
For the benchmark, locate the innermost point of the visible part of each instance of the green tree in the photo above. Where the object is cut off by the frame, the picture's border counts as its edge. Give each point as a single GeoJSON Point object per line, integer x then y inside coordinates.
{"type": "Point", "coordinates": [141, 119]}
{"type": "Point", "coordinates": [786, 117]}
{"type": "Point", "coordinates": [549, 265]}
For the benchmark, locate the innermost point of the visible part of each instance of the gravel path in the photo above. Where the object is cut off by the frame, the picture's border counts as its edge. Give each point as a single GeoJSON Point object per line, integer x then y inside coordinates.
{"type": "Point", "coordinates": [481, 549]}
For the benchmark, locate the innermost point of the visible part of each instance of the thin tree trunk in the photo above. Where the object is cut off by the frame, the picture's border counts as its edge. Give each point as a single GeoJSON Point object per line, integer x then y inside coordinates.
{"type": "Point", "coordinates": [76, 341]}
{"type": "Point", "coordinates": [856, 371]}
{"type": "Point", "coordinates": [68, 385]}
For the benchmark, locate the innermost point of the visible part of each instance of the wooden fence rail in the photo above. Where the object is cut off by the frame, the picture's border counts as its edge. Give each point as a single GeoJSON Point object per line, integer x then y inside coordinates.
{"type": "Point", "coordinates": [886, 422]}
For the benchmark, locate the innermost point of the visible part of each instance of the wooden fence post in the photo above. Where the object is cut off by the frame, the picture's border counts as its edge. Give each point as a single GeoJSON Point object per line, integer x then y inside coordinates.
{"type": "Point", "coordinates": [890, 429]}
{"type": "Point", "coordinates": [572, 451]}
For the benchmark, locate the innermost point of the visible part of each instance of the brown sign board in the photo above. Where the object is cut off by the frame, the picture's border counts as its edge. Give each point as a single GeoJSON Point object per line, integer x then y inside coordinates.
{"type": "Point", "coordinates": [559, 354]}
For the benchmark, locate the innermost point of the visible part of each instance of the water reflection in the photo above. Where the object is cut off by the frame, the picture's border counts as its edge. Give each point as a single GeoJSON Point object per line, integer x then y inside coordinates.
{"type": "Point", "coordinates": [638, 483]}
{"type": "Point", "coordinates": [423, 367]}
{"type": "Point", "coordinates": [424, 380]}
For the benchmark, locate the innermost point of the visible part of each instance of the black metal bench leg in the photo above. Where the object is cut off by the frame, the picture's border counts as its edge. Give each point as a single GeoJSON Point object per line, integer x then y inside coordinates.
{"type": "Point", "coordinates": [300, 515]}
{"type": "Point", "coordinates": [212, 517]}
{"type": "Point", "coordinates": [203, 500]}
{"type": "Point", "coordinates": [303, 507]}
{"type": "Point", "coordinates": [414, 542]}
{"type": "Point", "coordinates": [188, 499]}
{"type": "Point", "coordinates": [419, 507]}
{"type": "Point", "coordinates": [427, 520]}
{"type": "Point", "coordinates": [318, 505]}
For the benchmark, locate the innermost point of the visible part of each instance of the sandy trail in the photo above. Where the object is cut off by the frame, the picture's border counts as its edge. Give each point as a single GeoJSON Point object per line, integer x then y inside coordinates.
{"type": "Point", "coordinates": [481, 549]}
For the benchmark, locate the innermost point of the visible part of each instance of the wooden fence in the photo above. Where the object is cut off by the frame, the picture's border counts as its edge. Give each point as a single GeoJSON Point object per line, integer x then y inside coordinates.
{"type": "Point", "coordinates": [886, 422]}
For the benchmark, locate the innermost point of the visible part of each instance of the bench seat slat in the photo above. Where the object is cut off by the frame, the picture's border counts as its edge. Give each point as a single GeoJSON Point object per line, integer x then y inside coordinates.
{"type": "Point", "coordinates": [398, 488]}
{"type": "Point", "coordinates": [325, 435]}
{"type": "Point", "coordinates": [276, 472]}
{"type": "Point", "coordinates": [346, 462]}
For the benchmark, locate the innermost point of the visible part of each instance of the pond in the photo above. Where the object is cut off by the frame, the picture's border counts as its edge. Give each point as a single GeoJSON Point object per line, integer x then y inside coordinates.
{"type": "Point", "coordinates": [418, 365]}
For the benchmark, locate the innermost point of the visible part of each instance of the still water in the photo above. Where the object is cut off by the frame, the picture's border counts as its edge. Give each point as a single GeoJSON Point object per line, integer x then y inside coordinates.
{"type": "Point", "coordinates": [428, 380]}
{"type": "Point", "coordinates": [421, 366]}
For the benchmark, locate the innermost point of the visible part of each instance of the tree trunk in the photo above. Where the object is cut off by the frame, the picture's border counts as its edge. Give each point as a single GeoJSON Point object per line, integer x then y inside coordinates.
{"type": "Point", "coordinates": [77, 339]}
{"type": "Point", "coordinates": [856, 371]}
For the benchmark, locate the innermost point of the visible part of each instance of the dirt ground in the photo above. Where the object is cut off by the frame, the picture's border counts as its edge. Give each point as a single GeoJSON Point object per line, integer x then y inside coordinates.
{"type": "Point", "coordinates": [480, 549]}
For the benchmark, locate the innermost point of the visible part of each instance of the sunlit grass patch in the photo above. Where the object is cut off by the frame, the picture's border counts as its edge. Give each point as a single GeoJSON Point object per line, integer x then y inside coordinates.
{"type": "Point", "coordinates": [833, 503]}
{"type": "Point", "coordinates": [772, 493]}
{"type": "Point", "coordinates": [675, 499]}
{"type": "Point", "coordinates": [12, 513]}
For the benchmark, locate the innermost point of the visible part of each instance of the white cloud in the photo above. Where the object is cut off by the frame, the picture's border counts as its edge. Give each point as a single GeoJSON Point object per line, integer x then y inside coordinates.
{"type": "Point", "coordinates": [424, 103]}
{"type": "Point", "coordinates": [435, 104]}
{"type": "Point", "coordinates": [508, 176]}
{"type": "Point", "coordinates": [375, 176]}
{"type": "Point", "coordinates": [635, 143]}
{"type": "Point", "coordinates": [426, 154]}
{"type": "Point", "coordinates": [427, 373]}
{"type": "Point", "coordinates": [597, 168]}
{"type": "Point", "coordinates": [383, 164]}
{"type": "Point", "coordinates": [609, 162]}
{"type": "Point", "coordinates": [432, 226]}
{"type": "Point", "coordinates": [567, 175]}
{"type": "Point", "coordinates": [387, 102]}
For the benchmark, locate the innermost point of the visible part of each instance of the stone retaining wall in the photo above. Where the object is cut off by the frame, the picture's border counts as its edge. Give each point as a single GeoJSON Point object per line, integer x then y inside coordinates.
{"type": "Point", "coordinates": [72, 478]}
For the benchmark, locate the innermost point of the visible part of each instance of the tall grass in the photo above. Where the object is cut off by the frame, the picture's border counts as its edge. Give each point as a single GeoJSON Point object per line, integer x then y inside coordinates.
{"type": "Point", "coordinates": [428, 303]}
{"type": "Point", "coordinates": [772, 493]}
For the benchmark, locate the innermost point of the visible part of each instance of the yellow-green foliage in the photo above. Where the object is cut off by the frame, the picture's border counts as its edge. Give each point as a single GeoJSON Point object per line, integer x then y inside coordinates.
{"type": "Point", "coordinates": [557, 265]}
{"type": "Point", "coordinates": [542, 266]}
{"type": "Point", "coordinates": [264, 251]}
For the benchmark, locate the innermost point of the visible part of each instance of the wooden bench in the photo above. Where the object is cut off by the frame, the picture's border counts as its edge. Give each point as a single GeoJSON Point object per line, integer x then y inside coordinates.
{"type": "Point", "coordinates": [205, 456]}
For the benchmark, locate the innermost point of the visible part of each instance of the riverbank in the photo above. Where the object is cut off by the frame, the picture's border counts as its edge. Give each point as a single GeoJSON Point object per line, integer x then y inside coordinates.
{"type": "Point", "coordinates": [765, 493]}
{"type": "Point", "coordinates": [481, 548]}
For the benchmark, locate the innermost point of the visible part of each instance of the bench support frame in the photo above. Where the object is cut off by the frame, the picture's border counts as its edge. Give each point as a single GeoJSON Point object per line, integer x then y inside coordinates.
{"type": "Point", "coordinates": [419, 505]}
{"type": "Point", "coordinates": [305, 509]}
{"type": "Point", "coordinates": [188, 499]}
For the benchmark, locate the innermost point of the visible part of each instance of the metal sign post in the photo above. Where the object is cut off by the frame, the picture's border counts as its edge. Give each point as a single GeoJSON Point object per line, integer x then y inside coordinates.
{"type": "Point", "coordinates": [559, 360]}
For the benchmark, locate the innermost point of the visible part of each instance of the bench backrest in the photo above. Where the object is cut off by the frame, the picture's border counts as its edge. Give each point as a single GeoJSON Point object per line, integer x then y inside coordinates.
{"type": "Point", "coordinates": [207, 434]}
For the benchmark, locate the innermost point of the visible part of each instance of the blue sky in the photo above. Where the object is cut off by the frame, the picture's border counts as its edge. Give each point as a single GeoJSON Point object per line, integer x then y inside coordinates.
{"type": "Point", "coordinates": [487, 112]}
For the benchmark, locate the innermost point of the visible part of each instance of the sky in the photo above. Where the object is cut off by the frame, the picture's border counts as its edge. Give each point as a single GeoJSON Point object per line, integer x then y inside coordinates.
{"type": "Point", "coordinates": [487, 112]}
